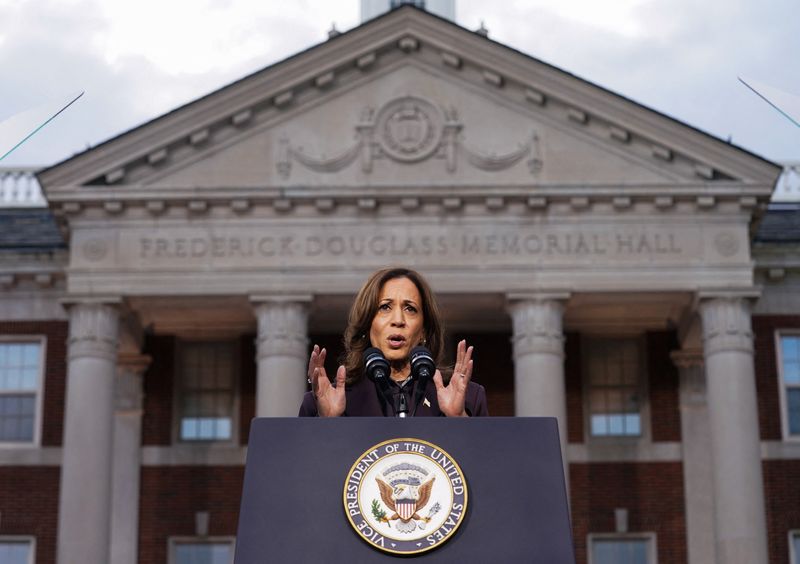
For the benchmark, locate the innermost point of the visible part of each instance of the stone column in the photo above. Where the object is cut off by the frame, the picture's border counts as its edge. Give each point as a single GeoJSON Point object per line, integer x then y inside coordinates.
{"type": "Point", "coordinates": [84, 514]}
{"type": "Point", "coordinates": [739, 515]}
{"type": "Point", "coordinates": [282, 355]}
{"type": "Point", "coordinates": [538, 339]}
{"type": "Point", "coordinates": [126, 467]}
{"type": "Point", "coordinates": [698, 481]}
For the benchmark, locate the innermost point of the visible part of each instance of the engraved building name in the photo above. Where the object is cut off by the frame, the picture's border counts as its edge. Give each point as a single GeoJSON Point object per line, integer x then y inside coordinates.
{"type": "Point", "coordinates": [448, 244]}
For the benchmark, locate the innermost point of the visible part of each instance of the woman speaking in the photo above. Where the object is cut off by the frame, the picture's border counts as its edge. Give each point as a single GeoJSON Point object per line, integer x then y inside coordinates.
{"type": "Point", "coordinates": [393, 342]}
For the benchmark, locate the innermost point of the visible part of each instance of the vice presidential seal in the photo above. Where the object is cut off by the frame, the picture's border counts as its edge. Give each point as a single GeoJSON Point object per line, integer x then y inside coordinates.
{"type": "Point", "coordinates": [405, 496]}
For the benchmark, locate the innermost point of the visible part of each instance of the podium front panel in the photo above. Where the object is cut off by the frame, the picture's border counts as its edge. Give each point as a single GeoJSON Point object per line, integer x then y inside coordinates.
{"type": "Point", "coordinates": [292, 507]}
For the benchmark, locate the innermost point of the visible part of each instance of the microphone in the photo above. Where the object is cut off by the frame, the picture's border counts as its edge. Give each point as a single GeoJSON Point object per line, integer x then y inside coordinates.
{"type": "Point", "coordinates": [377, 369]}
{"type": "Point", "coordinates": [422, 369]}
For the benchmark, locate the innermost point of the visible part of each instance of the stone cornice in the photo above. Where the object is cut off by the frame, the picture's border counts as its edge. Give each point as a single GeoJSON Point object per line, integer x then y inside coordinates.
{"type": "Point", "coordinates": [409, 33]}
{"type": "Point", "coordinates": [154, 202]}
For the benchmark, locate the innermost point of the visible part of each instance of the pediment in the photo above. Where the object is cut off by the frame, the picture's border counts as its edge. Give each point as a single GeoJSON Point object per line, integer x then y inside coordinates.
{"type": "Point", "coordinates": [408, 126]}
{"type": "Point", "coordinates": [411, 100]}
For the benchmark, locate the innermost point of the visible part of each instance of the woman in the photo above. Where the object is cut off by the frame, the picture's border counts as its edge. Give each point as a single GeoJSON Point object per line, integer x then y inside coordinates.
{"type": "Point", "coordinates": [394, 311]}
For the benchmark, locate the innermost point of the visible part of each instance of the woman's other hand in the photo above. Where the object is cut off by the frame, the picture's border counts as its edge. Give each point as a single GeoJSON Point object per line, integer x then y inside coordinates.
{"type": "Point", "coordinates": [451, 397]}
{"type": "Point", "coordinates": [330, 398]}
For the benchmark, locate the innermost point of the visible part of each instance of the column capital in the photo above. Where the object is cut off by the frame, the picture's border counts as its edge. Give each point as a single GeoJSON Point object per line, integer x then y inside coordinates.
{"type": "Point", "coordinates": [687, 358]}
{"type": "Point", "coordinates": [691, 366]}
{"type": "Point", "coordinates": [726, 324]}
{"type": "Point", "coordinates": [537, 325]}
{"type": "Point", "coordinates": [538, 296]}
{"type": "Point", "coordinates": [93, 329]}
{"type": "Point", "coordinates": [751, 293]}
{"type": "Point", "coordinates": [128, 393]}
{"type": "Point", "coordinates": [72, 300]}
{"type": "Point", "coordinates": [280, 298]}
{"type": "Point", "coordinates": [282, 326]}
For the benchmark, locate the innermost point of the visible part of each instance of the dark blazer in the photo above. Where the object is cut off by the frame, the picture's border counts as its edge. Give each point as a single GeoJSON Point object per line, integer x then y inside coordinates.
{"type": "Point", "coordinates": [363, 400]}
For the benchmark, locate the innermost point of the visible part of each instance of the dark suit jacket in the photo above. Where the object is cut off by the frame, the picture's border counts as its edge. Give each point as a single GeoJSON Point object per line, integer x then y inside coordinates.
{"type": "Point", "coordinates": [364, 400]}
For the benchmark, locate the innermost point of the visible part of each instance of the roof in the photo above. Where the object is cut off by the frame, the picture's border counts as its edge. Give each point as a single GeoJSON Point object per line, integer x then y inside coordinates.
{"type": "Point", "coordinates": [190, 129]}
{"type": "Point", "coordinates": [781, 224]}
{"type": "Point", "coordinates": [29, 230]}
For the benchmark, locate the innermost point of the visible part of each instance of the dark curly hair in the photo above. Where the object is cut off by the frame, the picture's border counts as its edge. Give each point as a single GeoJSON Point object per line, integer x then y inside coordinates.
{"type": "Point", "coordinates": [365, 307]}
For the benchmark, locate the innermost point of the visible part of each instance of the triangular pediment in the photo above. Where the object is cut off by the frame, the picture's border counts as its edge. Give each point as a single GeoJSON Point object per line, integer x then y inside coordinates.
{"type": "Point", "coordinates": [410, 99]}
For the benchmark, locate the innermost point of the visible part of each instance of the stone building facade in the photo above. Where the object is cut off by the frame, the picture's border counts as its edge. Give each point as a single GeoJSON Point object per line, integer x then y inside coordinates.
{"type": "Point", "coordinates": [613, 267]}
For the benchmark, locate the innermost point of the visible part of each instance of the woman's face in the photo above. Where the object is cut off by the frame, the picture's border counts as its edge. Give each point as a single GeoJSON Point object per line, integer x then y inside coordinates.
{"type": "Point", "coordinates": [398, 324]}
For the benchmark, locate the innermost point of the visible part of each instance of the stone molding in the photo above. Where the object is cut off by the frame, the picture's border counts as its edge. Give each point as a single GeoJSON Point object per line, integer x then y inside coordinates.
{"type": "Point", "coordinates": [74, 203]}
{"type": "Point", "coordinates": [282, 327]}
{"type": "Point", "coordinates": [726, 325]}
{"type": "Point", "coordinates": [537, 324]}
{"type": "Point", "coordinates": [93, 330]}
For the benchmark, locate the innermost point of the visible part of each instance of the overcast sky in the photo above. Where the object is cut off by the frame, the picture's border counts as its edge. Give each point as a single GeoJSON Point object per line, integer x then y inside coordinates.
{"type": "Point", "coordinates": [137, 59]}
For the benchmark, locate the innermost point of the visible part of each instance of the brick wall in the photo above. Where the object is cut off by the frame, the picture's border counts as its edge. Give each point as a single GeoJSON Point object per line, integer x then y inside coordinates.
{"type": "Point", "coordinates": [652, 493]}
{"type": "Point", "coordinates": [782, 495]}
{"type": "Point", "coordinates": [55, 372]}
{"type": "Point", "coordinates": [247, 385]}
{"type": "Point", "coordinates": [34, 512]}
{"type": "Point", "coordinates": [766, 366]}
{"type": "Point", "coordinates": [493, 368]}
{"type": "Point", "coordinates": [171, 496]}
{"type": "Point", "coordinates": [574, 387]}
{"type": "Point", "coordinates": [664, 386]}
{"type": "Point", "coordinates": [158, 391]}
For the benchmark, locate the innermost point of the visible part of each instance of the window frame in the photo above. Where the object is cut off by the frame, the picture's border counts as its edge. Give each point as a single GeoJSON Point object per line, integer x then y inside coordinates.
{"type": "Point", "coordinates": [650, 537]}
{"type": "Point", "coordinates": [41, 340]}
{"type": "Point", "coordinates": [178, 389]}
{"type": "Point", "coordinates": [643, 388]}
{"type": "Point", "coordinates": [173, 542]}
{"type": "Point", "coordinates": [22, 538]}
{"type": "Point", "coordinates": [787, 436]}
{"type": "Point", "coordinates": [794, 557]}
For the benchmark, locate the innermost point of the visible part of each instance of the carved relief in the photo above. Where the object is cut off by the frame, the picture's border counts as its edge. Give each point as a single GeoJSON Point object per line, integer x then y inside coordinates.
{"type": "Point", "coordinates": [407, 130]}
{"type": "Point", "coordinates": [93, 331]}
{"type": "Point", "coordinates": [282, 329]}
{"type": "Point", "coordinates": [726, 325]}
{"type": "Point", "coordinates": [726, 244]}
{"type": "Point", "coordinates": [95, 249]}
{"type": "Point", "coordinates": [537, 327]}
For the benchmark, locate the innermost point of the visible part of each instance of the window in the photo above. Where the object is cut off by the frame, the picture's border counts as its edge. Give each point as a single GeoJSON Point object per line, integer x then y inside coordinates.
{"type": "Point", "coordinates": [614, 382]}
{"type": "Point", "coordinates": [211, 551]}
{"type": "Point", "coordinates": [207, 391]}
{"type": "Point", "coordinates": [789, 372]}
{"type": "Point", "coordinates": [20, 380]}
{"type": "Point", "coordinates": [397, 3]}
{"type": "Point", "coordinates": [16, 550]}
{"type": "Point", "coordinates": [794, 547]}
{"type": "Point", "coordinates": [622, 549]}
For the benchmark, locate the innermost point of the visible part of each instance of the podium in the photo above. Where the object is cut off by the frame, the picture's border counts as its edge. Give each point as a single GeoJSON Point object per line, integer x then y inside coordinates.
{"type": "Point", "coordinates": [295, 497]}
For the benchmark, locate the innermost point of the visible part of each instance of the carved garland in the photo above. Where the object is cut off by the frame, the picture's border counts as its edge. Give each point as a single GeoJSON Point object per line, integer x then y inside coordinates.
{"type": "Point", "coordinates": [408, 130]}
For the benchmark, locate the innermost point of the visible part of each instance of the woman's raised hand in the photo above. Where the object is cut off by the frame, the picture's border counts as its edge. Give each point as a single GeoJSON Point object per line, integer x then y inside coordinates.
{"type": "Point", "coordinates": [451, 397]}
{"type": "Point", "coordinates": [330, 397]}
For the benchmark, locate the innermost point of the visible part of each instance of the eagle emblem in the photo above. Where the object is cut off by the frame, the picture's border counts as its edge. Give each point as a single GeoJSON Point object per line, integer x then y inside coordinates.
{"type": "Point", "coordinates": [405, 489]}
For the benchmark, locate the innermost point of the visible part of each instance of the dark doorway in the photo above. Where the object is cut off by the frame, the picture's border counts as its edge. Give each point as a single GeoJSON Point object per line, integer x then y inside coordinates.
{"type": "Point", "coordinates": [493, 368]}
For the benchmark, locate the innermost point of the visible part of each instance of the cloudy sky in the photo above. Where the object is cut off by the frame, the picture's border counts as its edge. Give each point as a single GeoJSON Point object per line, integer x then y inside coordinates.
{"type": "Point", "coordinates": [137, 59]}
